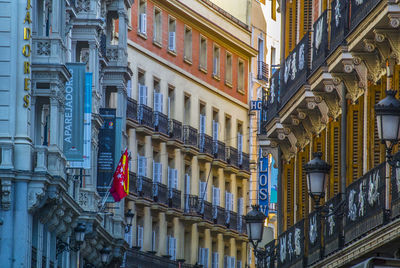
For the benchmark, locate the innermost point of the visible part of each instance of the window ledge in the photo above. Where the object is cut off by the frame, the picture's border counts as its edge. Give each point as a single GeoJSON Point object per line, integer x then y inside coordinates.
{"type": "Point", "coordinates": [202, 69]}
{"type": "Point", "coordinates": [187, 60]}
{"type": "Point", "coordinates": [157, 43]}
{"type": "Point", "coordinates": [216, 77]}
{"type": "Point", "coordinates": [130, 27]}
{"type": "Point", "coordinates": [228, 83]}
{"type": "Point", "coordinates": [142, 35]}
{"type": "Point", "coordinates": [241, 91]}
{"type": "Point", "coordinates": [172, 52]}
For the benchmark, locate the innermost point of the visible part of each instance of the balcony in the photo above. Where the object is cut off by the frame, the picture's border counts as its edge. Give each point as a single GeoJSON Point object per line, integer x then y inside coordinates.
{"type": "Point", "coordinates": [232, 156]}
{"type": "Point", "coordinates": [161, 123]}
{"type": "Point", "coordinates": [320, 42]}
{"type": "Point", "coordinates": [360, 11]}
{"type": "Point", "coordinates": [116, 55]}
{"type": "Point", "coordinates": [175, 129]}
{"type": "Point", "coordinates": [190, 136]}
{"type": "Point", "coordinates": [262, 71]}
{"type": "Point", "coordinates": [133, 183]}
{"type": "Point", "coordinates": [131, 110]}
{"type": "Point", "coordinates": [174, 196]}
{"type": "Point", "coordinates": [231, 220]}
{"type": "Point", "coordinates": [48, 50]}
{"type": "Point", "coordinates": [291, 246]}
{"type": "Point", "coordinates": [145, 116]}
{"type": "Point", "coordinates": [244, 161]}
{"type": "Point", "coordinates": [205, 144]}
{"type": "Point", "coordinates": [160, 193]}
{"type": "Point", "coordinates": [206, 210]}
{"type": "Point", "coordinates": [145, 187]}
{"type": "Point", "coordinates": [219, 150]}
{"type": "Point", "coordinates": [192, 204]}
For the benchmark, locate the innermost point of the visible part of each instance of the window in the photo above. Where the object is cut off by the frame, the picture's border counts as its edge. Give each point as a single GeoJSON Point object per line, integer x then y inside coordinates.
{"type": "Point", "coordinates": [202, 122]}
{"type": "Point", "coordinates": [172, 34]}
{"type": "Point", "coordinates": [240, 85]}
{"type": "Point", "coordinates": [142, 18]}
{"type": "Point", "coordinates": [188, 44]}
{"type": "Point", "coordinates": [142, 89]}
{"type": "Point", "coordinates": [215, 259]}
{"type": "Point", "coordinates": [157, 34]}
{"type": "Point", "coordinates": [157, 172]}
{"type": "Point", "coordinates": [216, 62]}
{"type": "Point", "coordinates": [139, 241]}
{"type": "Point", "coordinates": [170, 102]}
{"type": "Point", "coordinates": [171, 247]}
{"type": "Point", "coordinates": [158, 97]}
{"type": "Point", "coordinates": [228, 69]}
{"type": "Point", "coordinates": [186, 114]}
{"type": "Point", "coordinates": [216, 196]}
{"type": "Point", "coordinates": [203, 54]}
{"type": "Point", "coordinates": [203, 257]}
{"type": "Point", "coordinates": [129, 16]}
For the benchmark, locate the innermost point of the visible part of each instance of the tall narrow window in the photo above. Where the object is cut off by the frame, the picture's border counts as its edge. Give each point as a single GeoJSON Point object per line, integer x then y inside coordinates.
{"type": "Point", "coordinates": [228, 69]}
{"type": "Point", "coordinates": [172, 34]}
{"type": "Point", "coordinates": [203, 54]}
{"type": "Point", "coordinates": [188, 44]}
{"type": "Point", "coordinates": [186, 114]}
{"type": "Point", "coordinates": [142, 17]}
{"type": "Point", "coordinates": [157, 34]}
{"type": "Point", "coordinates": [142, 89]}
{"type": "Point", "coordinates": [240, 85]}
{"type": "Point", "coordinates": [216, 62]}
{"type": "Point", "coordinates": [170, 102]}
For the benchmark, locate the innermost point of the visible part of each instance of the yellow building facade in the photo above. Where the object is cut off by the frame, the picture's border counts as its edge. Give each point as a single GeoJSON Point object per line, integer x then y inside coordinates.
{"type": "Point", "coordinates": [322, 100]}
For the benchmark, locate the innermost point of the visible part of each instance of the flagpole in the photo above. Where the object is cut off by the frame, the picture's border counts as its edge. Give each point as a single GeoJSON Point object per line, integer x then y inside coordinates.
{"type": "Point", "coordinates": [103, 202]}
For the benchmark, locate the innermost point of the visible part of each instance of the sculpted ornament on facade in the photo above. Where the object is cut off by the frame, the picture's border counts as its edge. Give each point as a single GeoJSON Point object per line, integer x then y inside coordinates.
{"type": "Point", "coordinates": [373, 193]}
{"type": "Point", "coordinates": [337, 13]}
{"type": "Point", "coordinates": [361, 200]}
{"type": "Point", "coordinates": [352, 215]}
{"type": "Point", "coordinates": [297, 247]}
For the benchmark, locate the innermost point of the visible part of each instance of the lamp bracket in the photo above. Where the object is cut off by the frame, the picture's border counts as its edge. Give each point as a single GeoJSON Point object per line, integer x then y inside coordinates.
{"type": "Point", "coordinates": [62, 246]}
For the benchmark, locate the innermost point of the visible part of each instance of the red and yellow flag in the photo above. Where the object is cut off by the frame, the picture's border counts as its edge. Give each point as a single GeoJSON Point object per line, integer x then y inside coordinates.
{"type": "Point", "coordinates": [120, 186]}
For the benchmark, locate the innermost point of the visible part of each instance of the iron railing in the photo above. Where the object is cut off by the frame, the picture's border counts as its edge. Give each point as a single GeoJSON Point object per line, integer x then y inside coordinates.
{"type": "Point", "coordinates": [193, 204]}
{"type": "Point", "coordinates": [291, 246]}
{"type": "Point", "coordinates": [175, 129]}
{"type": "Point", "coordinates": [314, 237]}
{"type": "Point", "coordinates": [161, 123]}
{"type": "Point", "coordinates": [145, 116]}
{"type": "Point", "coordinates": [205, 144]}
{"type": "Point", "coordinates": [232, 223]}
{"type": "Point", "coordinates": [132, 109]}
{"type": "Point", "coordinates": [174, 198]}
{"type": "Point", "coordinates": [232, 156]}
{"type": "Point", "coordinates": [219, 150]}
{"type": "Point", "coordinates": [333, 226]}
{"type": "Point", "coordinates": [245, 161]}
{"type": "Point", "coordinates": [189, 136]}
{"type": "Point", "coordinates": [160, 193]}
{"type": "Point", "coordinates": [132, 183]}
{"type": "Point", "coordinates": [206, 210]}
{"type": "Point", "coordinates": [145, 187]}
{"type": "Point", "coordinates": [262, 71]}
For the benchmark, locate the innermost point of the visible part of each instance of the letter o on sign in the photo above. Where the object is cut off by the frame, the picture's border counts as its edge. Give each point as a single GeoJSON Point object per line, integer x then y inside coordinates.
{"type": "Point", "coordinates": [263, 180]}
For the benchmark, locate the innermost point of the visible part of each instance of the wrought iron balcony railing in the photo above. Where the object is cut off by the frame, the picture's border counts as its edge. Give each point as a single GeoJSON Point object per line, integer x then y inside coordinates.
{"type": "Point", "coordinates": [145, 116]}
{"type": "Point", "coordinates": [160, 193]}
{"type": "Point", "coordinates": [192, 204]}
{"type": "Point", "coordinates": [232, 156]}
{"type": "Point", "coordinates": [233, 220]}
{"type": "Point", "coordinates": [132, 109]}
{"type": "Point", "coordinates": [175, 129]}
{"type": "Point", "coordinates": [219, 150]}
{"type": "Point", "coordinates": [262, 71]}
{"type": "Point", "coordinates": [145, 187]}
{"type": "Point", "coordinates": [132, 183]}
{"type": "Point", "coordinates": [206, 210]}
{"type": "Point", "coordinates": [205, 144]}
{"type": "Point", "coordinates": [190, 136]}
{"type": "Point", "coordinates": [245, 162]}
{"type": "Point", "coordinates": [161, 123]}
{"type": "Point", "coordinates": [174, 196]}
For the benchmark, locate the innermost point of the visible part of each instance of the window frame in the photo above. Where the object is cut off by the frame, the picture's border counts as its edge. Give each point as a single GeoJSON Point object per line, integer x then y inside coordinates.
{"type": "Point", "coordinates": [185, 57]}
{"type": "Point", "coordinates": [171, 18]}
{"type": "Point", "coordinates": [157, 41]}
{"type": "Point", "coordinates": [201, 67]}
{"type": "Point", "coordinates": [228, 82]}
{"type": "Point", "coordinates": [239, 62]}
{"type": "Point", "coordinates": [218, 74]}
{"type": "Point", "coordinates": [140, 33]}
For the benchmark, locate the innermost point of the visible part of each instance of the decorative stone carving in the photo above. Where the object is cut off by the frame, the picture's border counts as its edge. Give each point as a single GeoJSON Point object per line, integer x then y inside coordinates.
{"type": "Point", "coordinates": [393, 38]}
{"type": "Point", "coordinates": [373, 63]}
{"type": "Point", "coordinates": [83, 5]}
{"type": "Point", "coordinates": [5, 193]}
{"type": "Point", "coordinates": [36, 192]}
{"type": "Point", "coordinates": [43, 48]}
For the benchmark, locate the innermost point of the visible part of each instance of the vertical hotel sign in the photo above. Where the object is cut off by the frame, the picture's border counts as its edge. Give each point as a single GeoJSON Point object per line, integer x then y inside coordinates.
{"type": "Point", "coordinates": [263, 197]}
{"type": "Point", "coordinates": [26, 52]}
{"type": "Point", "coordinates": [73, 115]}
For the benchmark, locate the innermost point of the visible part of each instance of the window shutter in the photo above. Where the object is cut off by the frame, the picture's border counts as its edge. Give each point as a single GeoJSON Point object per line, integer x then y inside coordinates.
{"type": "Point", "coordinates": [240, 143]}
{"type": "Point", "coordinates": [171, 43]}
{"type": "Point", "coordinates": [215, 67]}
{"type": "Point", "coordinates": [231, 202]}
{"type": "Point", "coordinates": [200, 258]}
{"type": "Point", "coordinates": [240, 206]}
{"type": "Point", "coordinates": [218, 194]}
{"type": "Point", "coordinates": [202, 191]}
{"type": "Point", "coordinates": [153, 241]}
{"type": "Point", "coordinates": [226, 200]}
{"type": "Point", "coordinates": [142, 166]}
{"type": "Point", "coordinates": [157, 176]}
{"type": "Point", "coordinates": [158, 99]}
{"type": "Point", "coordinates": [175, 178]}
{"type": "Point", "coordinates": [169, 245]}
{"type": "Point", "coordinates": [215, 130]}
{"type": "Point", "coordinates": [215, 257]}
{"type": "Point", "coordinates": [205, 257]}
{"type": "Point", "coordinates": [239, 264]}
{"type": "Point", "coordinates": [142, 94]}
{"type": "Point", "coordinates": [232, 262]}
{"type": "Point", "coordinates": [173, 248]}
{"type": "Point", "coordinates": [202, 124]}
{"type": "Point", "coordinates": [169, 107]}
{"type": "Point", "coordinates": [129, 88]}
{"type": "Point", "coordinates": [227, 262]}
{"type": "Point", "coordinates": [169, 177]}
{"type": "Point", "coordinates": [187, 184]}
{"type": "Point", "coordinates": [140, 236]}
{"type": "Point", "coordinates": [143, 23]}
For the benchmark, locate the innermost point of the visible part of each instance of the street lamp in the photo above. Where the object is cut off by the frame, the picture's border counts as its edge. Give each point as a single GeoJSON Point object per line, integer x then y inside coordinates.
{"type": "Point", "coordinates": [128, 218]}
{"type": "Point", "coordinates": [255, 225]}
{"type": "Point", "coordinates": [105, 252]}
{"type": "Point", "coordinates": [317, 171]}
{"type": "Point", "coordinates": [74, 245]}
{"type": "Point", "coordinates": [80, 233]}
{"type": "Point", "coordinates": [388, 121]}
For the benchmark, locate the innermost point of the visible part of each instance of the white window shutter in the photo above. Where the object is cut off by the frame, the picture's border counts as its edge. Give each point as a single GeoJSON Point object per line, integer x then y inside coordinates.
{"type": "Point", "coordinates": [233, 261]}
{"type": "Point", "coordinates": [202, 191]}
{"type": "Point", "coordinates": [154, 172]}
{"type": "Point", "coordinates": [200, 257]}
{"type": "Point", "coordinates": [140, 236]}
{"type": "Point", "coordinates": [142, 166]}
{"type": "Point", "coordinates": [171, 42]}
{"type": "Point", "coordinates": [231, 203]}
{"type": "Point", "coordinates": [202, 124]}
{"type": "Point", "coordinates": [175, 181]}
{"type": "Point", "coordinates": [169, 107]}
{"type": "Point", "coordinates": [226, 200]}
{"type": "Point", "coordinates": [153, 241]}
{"type": "Point", "coordinates": [215, 259]}
{"type": "Point", "coordinates": [143, 23]}
{"type": "Point", "coordinates": [215, 69]}
{"type": "Point", "coordinates": [169, 177]}
{"type": "Point", "coordinates": [142, 94]}
{"type": "Point", "coordinates": [205, 255]}
{"type": "Point", "coordinates": [239, 264]}
{"type": "Point", "coordinates": [240, 206]}
{"type": "Point", "coordinates": [174, 248]}
{"type": "Point", "coordinates": [218, 196]}
{"type": "Point", "coordinates": [156, 104]}
{"type": "Point", "coordinates": [187, 184]}
{"type": "Point", "coordinates": [214, 196]}
{"type": "Point", "coordinates": [240, 142]}
{"type": "Point", "coordinates": [160, 100]}
{"type": "Point", "coordinates": [215, 130]}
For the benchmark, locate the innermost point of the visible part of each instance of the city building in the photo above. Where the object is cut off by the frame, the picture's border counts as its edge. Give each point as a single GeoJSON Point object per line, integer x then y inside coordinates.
{"type": "Point", "coordinates": [340, 57]}
{"type": "Point", "coordinates": [188, 133]}
{"type": "Point", "coordinates": [49, 215]}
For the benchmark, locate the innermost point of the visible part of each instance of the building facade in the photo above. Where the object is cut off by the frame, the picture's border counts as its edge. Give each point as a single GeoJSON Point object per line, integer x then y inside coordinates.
{"type": "Point", "coordinates": [340, 57]}
{"type": "Point", "coordinates": [188, 132]}
{"type": "Point", "coordinates": [46, 201]}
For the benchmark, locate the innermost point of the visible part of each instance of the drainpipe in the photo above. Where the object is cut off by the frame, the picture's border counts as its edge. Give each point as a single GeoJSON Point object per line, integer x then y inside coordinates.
{"type": "Point", "coordinates": [343, 141]}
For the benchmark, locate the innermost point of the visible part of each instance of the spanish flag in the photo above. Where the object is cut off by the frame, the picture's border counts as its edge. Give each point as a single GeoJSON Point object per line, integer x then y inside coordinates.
{"type": "Point", "coordinates": [120, 186]}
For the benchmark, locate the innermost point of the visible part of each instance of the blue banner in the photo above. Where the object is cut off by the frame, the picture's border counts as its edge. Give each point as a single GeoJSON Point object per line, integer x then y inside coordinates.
{"type": "Point", "coordinates": [263, 196]}
{"type": "Point", "coordinates": [274, 183]}
{"type": "Point", "coordinates": [73, 115]}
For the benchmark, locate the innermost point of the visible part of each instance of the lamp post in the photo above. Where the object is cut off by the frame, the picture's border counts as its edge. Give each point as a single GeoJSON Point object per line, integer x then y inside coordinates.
{"type": "Point", "coordinates": [255, 227]}
{"type": "Point", "coordinates": [388, 122]}
{"type": "Point", "coordinates": [105, 252]}
{"type": "Point", "coordinates": [128, 218]}
{"type": "Point", "coordinates": [317, 171]}
{"type": "Point", "coordinates": [74, 245]}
